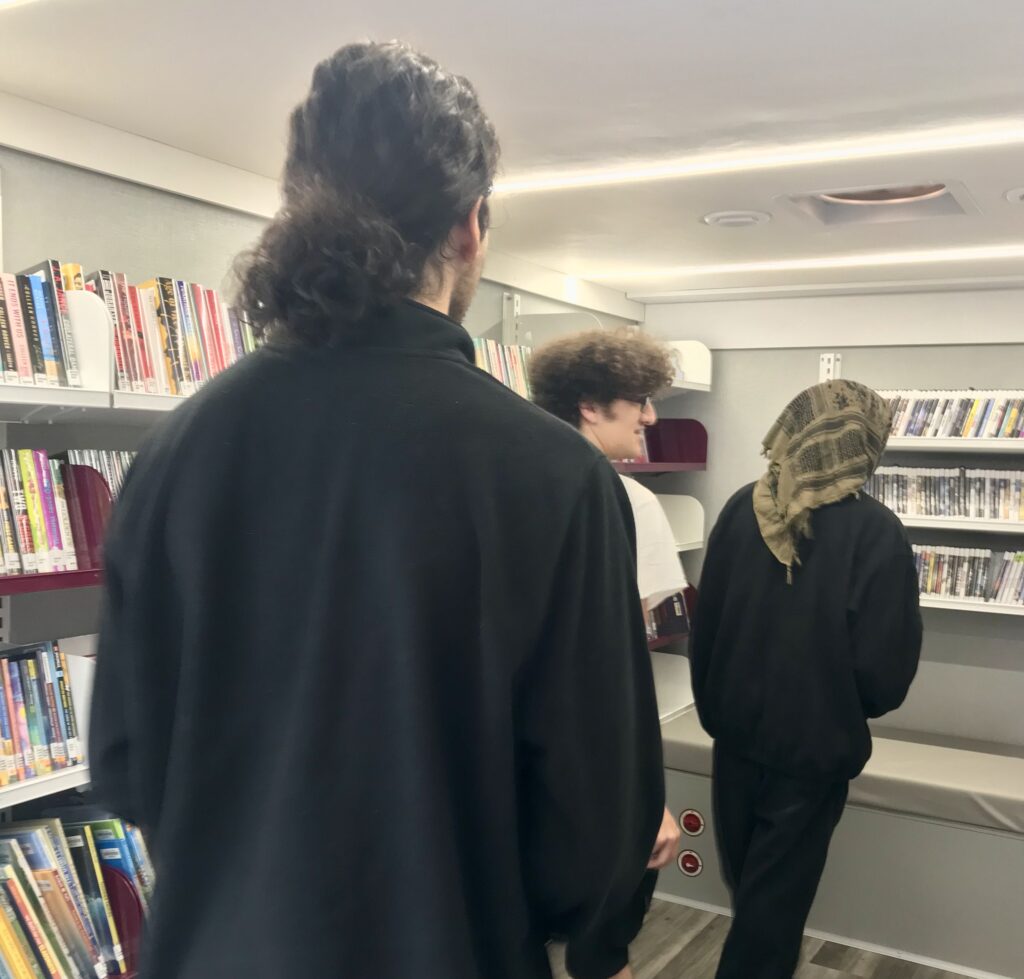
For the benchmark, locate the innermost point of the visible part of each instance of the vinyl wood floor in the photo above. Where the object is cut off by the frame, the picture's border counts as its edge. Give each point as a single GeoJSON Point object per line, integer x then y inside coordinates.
{"type": "Point", "coordinates": [683, 943]}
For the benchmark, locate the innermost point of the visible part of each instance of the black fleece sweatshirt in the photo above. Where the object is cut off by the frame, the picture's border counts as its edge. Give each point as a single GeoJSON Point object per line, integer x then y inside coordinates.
{"type": "Point", "coordinates": [786, 675]}
{"type": "Point", "coordinates": [373, 676]}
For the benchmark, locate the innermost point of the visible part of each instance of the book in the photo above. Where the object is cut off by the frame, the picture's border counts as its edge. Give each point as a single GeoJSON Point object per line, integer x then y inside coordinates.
{"type": "Point", "coordinates": [8, 760]}
{"type": "Point", "coordinates": [21, 952]}
{"type": "Point", "coordinates": [49, 273]}
{"type": "Point", "coordinates": [162, 293]}
{"type": "Point", "coordinates": [76, 753]}
{"type": "Point", "coordinates": [49, 338]}
{"type": "Point", "coordinates": [51, 521]}
{"type": "Point", "coordinates": [34, 505]}
{"type": "Point", "coordinates": [73, 276]}
{"type": "Point", "coordinates": [33, 714]}
{"type": "Point", "coordinates": [142, 339]}
{"type": "Point", "coordinates": [112, 847]}
{"type": "Point", "coordinates": [148, 301]}
{"type": "Point", "coordinates": [19, 336]}
{"type": "Point", "coordinates": [19, 716]}
{"type": "Point", "coordinates": [8, 363]}
{"type": "Point", "coordinates": [87, 866]}
{"type": "Point", "coordinates": [32, 330]}
{"type": "Point", "coordinates": [22, 524]}
{"type": "Point", "coordinates": [102, 283]}
{"type": "Point", "coordinates": [196, 368]}
{"type": "Point", "coordinates": [8, 533]}
{"type": "Point", "coordinates": [129, 338]}
{"type": "Point", "coordinates": [44, 675]}
{"type": "Point", "coordinates": [63, 515]}
{"type": "Point", "coordinates": [39, 944]}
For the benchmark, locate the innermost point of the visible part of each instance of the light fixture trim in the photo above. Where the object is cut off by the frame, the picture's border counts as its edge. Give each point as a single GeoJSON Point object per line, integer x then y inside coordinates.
{"type": "Point", "coordinates": [884, 196]}
{"type": "Point", "coordinates": [736, 219]}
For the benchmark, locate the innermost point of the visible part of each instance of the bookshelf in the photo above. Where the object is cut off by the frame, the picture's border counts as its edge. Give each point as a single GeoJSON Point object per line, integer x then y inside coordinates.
{"type": "Point", "coordinates": [970, 605]}
{"type": "Point", "coordinates": [961, 445]}
{"type": "Point", "coordinates": [659, 468]}
{"type": "Point", "coordinates": [974, 525]}
{"type": "Point", "coordinates": [28, 584]}
{"type": "Point", "coordinates": [692, 362]}
{"type": "Point", "coordinates": [43, 785]}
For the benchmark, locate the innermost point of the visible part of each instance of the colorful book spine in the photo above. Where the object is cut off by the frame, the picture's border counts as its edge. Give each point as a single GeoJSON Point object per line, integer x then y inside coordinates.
{"type": "Point", "coordinates": [52, 361]}
{"type": "Point", "coordinates": [20, 715]}
{"type": "Point", "coordinates": [49, 272]}
{"type": "Point", "coordinates": [76, 753]}
{"type": "Point", "coordinates": [129, 341]}
{"type": "Point", "coordinates": [30, 923]}
{"type": "Point", "coordinates": [8, 363]}
{"type": "Point", "coordinates": [54, 536]}
{"type": "Point", "coordinates": [207, 331]}
{"type": "Point", "coordinates": [148, 302]}
{"type": "Point", "coordinates": [170, 345]}
{"type": "Point", "coordinates": [194, 354]}
{"type": "Point", "coordinates": [63, 516]}
{"type": "Point", "coordinates": [37, 725]}
{"type": "Point", "coordinates": [34, 504]}
{"type": "Point", "coordinates": [35, 342]}
{"type": "Point", "coordinates": [43, 669]}
{"type": "Point", "coordinates": [8, 533]}
{"type": "Point", "coordinates": [19, 336]}
{"type": "Point", "coordinates": [23, 526]}
{"type": "Point", "coordinates": [73, 276]}
{"type": "Point", "coordinates": [102, 283]}
{"type": "Point", "coordinates": [142, 340]}
{"type": "Point", "coordinates": [16, 943]}
{"type": "Point", "coordinates": [236, 330]}
{"type": "Point", "coordinates": [19, 752]}
{"type": "Point", "coordinates": [8, 761]}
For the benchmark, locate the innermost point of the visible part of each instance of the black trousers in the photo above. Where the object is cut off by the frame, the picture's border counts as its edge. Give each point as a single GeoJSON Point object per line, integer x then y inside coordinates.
{"type": "Point", "coordinates": [773, 836]}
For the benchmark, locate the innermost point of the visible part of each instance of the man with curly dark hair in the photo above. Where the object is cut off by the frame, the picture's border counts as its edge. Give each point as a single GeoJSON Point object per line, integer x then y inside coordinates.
{"type": "Point", "coordinates": [602, 382]}
{"type": "Point", "coordinates": [371, 677]}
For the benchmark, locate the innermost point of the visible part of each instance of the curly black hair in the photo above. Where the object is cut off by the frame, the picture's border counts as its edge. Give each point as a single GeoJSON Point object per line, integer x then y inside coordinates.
{"type": "Point", "coordinates": [598, 366]}
{"type": "Point", "coordinates": [387, 154]}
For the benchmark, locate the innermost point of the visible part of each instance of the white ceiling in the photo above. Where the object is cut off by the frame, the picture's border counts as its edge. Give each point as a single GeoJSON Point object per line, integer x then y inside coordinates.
{"type": "Point", "coordinates": [581, 84]}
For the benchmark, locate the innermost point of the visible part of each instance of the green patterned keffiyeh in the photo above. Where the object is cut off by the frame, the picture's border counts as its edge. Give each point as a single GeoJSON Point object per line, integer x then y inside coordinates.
{"type": "Point", "coordinates": [823, 448]}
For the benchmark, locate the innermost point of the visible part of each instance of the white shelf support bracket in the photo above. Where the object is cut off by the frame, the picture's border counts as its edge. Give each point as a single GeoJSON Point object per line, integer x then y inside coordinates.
{"type": "Point", "coordinates": [830, 367]}
{"type": "Point", "coordinates": [511, 310]}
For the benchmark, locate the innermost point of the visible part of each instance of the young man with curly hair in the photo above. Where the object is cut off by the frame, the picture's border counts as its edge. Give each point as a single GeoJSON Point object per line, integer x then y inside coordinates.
{"type": "Point", "coordinates": [370, 677]}
{"type": "Point", "coordinates": [602, 383]}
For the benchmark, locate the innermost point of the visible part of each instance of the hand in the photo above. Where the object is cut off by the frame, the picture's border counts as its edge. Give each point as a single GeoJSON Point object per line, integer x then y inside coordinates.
{"type": "Point", "coordinates": [626, 973]}
{"type": "Point", "coordinates": [667, 844]}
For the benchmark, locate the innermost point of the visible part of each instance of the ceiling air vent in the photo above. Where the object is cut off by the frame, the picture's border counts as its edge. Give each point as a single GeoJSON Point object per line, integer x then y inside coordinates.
{"type": "Point", "coordinates": [881, 205]}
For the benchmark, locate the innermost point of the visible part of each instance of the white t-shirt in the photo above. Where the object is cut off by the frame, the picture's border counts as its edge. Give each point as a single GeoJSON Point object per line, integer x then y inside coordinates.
{"type": "Point", "coordinates": [658, 571]}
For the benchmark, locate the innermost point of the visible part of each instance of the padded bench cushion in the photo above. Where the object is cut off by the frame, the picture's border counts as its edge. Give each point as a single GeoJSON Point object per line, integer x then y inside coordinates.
{"type": "Point", "coordinates": [936, 780]}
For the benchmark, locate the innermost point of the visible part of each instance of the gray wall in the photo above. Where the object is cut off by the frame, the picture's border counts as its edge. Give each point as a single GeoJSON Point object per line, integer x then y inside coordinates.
{"type": "Point", "coordinates": [972, 681]}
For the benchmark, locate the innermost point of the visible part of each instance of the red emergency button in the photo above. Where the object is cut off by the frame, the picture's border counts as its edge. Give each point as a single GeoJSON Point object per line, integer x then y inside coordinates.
{"type": "Point", "coordinates": [692, 822]}
{"type": "Point", "coordinates": [690, 863]}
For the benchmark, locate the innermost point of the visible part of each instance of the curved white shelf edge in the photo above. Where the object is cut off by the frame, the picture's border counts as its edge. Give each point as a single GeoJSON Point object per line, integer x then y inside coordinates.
{"type": "Point", "coordinates": [686, 518]}
{"type": "Point", "coordinates": [989, 446]}
{"type": "Point", "coordinates": [965, 523]}
{"type": "Point", "coordinates": [692, 362]}
{"type": "Point", "coordinates": [693, 545]}
{"type": "Point", "coordinates": [44, 785]}
{"type": "Point", "coordinates": [970, 605]}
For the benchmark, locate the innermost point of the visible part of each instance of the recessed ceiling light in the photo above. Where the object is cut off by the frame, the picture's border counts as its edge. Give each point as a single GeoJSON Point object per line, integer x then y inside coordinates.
{"type": "Point", "coordinates": [736, 219]}
{"type": "Point", "coordinates": [6, 4]}
{"type": "Point", "coordinates": [1015, 196]}
{"type": "Point", "coordinates": [1007, 132]}
{"type": "Point", "coordinates": [875, 196]}
{"type": "Point", "coordinates": [931, 256]}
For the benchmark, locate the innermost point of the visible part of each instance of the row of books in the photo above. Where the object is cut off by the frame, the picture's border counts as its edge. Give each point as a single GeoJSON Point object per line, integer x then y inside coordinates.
{"type": "Point", "coordinates": [982, 494]}
{"type": "Point", "coordinates": [957, 414]}
{"type": "Point", "coordinates": [669, 619]}
{"type": "Point", "coordinates": [38, 727]}
{"type": "Point", "coordinates": [170, 336]}
{"type": "Point", "coordinates": [37, 342]}
{"type": "Point", "coordinates": [62, 884]}
{"type": "Point", "coordinates": [961, 572]}
{"type": "Point", "coordinates": [51, 513]}
{"type": "Point", "coordinates": [111, 464]}
{"type": "Point", "coordinates": [509, 364]}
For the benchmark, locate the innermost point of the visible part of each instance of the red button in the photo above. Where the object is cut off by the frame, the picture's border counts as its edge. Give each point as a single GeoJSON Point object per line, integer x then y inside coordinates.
{"type": "Point", "coordinates": [690, 863]}
{"type": "Point", "coordinates": [692, 822]}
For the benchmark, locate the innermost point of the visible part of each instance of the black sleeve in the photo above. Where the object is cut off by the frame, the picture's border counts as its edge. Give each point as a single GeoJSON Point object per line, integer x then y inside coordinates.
{"type": "Point", "coordinates": [590, 761]}
{"type": "Point", "coordinates": [112, 760]}
{"type": "Point", "coordinates": [887, 633]}
{"type": "Point", "coordinates": [711, 591]}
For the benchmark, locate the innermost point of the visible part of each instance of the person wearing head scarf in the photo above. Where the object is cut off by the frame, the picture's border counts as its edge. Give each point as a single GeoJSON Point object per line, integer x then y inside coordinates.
{"type": "Point", "coordinates": [807, 624]}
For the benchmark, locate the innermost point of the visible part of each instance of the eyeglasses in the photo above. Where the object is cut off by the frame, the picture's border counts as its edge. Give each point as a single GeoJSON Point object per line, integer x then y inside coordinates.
{"type": "Point", "coordinates": [643, 401]}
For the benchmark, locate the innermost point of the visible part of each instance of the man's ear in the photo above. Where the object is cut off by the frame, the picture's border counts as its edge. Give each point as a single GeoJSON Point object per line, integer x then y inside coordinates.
{"type": "Point", "coordinates": [591, 412]}
{"type": "Point", "coordinates": [466, 238]}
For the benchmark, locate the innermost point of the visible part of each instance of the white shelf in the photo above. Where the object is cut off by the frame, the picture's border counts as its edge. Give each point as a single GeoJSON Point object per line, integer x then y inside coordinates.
{"type": "Point", "coordinates": [686, 518]}
{"type": "Point", "coordinates": [44, 785]}
{"type": "Point", "coordinates": [23, 403]}
{"type": "Point", "coordinates": [692, 362]}
{"type": "Point", "coordinates": [693, 545]}
{"type": "Point", "coordinates": [970, 605]}
{"type": "Point", "coordinates": [671, 684]}
{"type": "Point", "coordinates": [135, 401]}
{"type": "Point", "coordinates": [965, 523]}
{"type": "Point", "coordinates": [981, 446]}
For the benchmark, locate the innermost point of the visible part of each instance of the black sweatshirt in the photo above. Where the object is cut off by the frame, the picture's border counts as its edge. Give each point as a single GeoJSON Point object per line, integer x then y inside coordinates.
{"type": "Point", "coordinates": [787, 675]}
{"type": "Point", "coordinates": [373, 676]}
